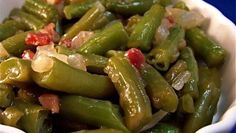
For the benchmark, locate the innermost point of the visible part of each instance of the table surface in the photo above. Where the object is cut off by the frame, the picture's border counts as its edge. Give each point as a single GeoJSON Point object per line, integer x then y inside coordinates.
{"type": "Point", "coordinates": [227, 7]}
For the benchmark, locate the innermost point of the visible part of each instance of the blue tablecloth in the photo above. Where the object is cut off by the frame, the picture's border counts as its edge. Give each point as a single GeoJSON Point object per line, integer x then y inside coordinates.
{"type": "Point", "coordinates": [227, 7]}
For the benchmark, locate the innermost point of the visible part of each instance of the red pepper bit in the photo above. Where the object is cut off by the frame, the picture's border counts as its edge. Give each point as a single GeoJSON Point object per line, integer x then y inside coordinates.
{"type": "Point", "coordinates": [27, 54]}
{"type": "Point", "coordinates": [37, 39]}
{"type": "Point", "coordinates": [135, 57]}
{"type": "Point", "coordinates": [67, 43]}
{"type": "Point", "coordinates": [50, 101]}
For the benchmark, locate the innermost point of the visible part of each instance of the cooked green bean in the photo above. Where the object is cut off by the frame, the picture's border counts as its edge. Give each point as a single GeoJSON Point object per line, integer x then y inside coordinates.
{"type": "Point", "coordinates": [167, 52]}
{"type": "Point", "coordinates": [99, 131]}
{"type": "Point", "coordinates": [112, 37]}
{"type": "Point", "coordinates": [34, 114]}
{"type": "Point", "coordinates": [64, 78]}
{"type": "Point", "coordinates": [160, 92]}
{"type": "Point", "coordinates": [133, 98]}
{"type": "Point", "coordinates": [129, 8]}
{"type": "Point", "coordinates": [186, 104]}
{"type": "Point", "coordinates": [212, 53]}
{"type": "Point", "coordinates": [181, 5]}
{"type": "Point", "coordinates": [205, 106]}
{"type": "Point", "coordinates": [86, 22]}
{"type": "Point", "coordinates": [11, 116]}
{"type": "Point", "coordinates": [142, 35]}
{"type": "Point", "coordinates": [91, 111]}
{"type": "Point", "coordinates": [132, 22]}
{"type": "Point", "coordinates": [15, 45]}
{"type": "Point", "coordinates": [41, 9]}
{"type": "Point", "coordinates": [163, 128]}
{"type": "Point", "coordinates": [10, 28]}
{"type": "Point", "coordinates": [15, 71]}
{"type": "Point", "coordinates": [30, 21]}
{"type": "Point", "coordinates": [6, 95]}
{"type": "Point", "coordinates": [191, 87]}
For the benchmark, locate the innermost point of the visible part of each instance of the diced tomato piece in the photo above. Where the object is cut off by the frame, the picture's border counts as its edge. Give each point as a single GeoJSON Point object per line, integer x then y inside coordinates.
{"type": "Point", "coordinates": [37, 39]}
{"type": "Point", "coordinates": [135, 57]}
{"type": "Point", "coordinates": [27, 54]}
{"type": "Point", "coordinates": [50, 101]}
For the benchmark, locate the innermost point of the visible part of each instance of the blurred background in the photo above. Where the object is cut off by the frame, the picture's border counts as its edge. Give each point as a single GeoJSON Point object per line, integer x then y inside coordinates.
{"type": "Point", "coordinates": [227, 7]}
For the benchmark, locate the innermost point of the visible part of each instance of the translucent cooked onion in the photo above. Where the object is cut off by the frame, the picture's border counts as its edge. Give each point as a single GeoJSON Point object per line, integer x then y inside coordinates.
{"type": "Point", "coordinates": [180, 80]}
{"type": "Point", "coordinates": [77, 61]}
{"type": "Point", "coordinates": [187, 19]}
{"type": "Point", "coordinates": [42, 63]}
{"type": "Point", "coordinates": [81, 38]}
{"type": "Point", "coordinates": [162, 32]}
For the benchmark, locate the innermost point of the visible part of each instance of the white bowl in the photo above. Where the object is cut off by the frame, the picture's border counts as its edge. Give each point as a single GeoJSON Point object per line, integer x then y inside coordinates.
{"type": "Point", "coordinates": [219, 28]}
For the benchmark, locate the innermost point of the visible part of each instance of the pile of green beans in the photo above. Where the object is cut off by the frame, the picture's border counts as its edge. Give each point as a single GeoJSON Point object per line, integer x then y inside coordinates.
{"type": "Point", "coordinates": [112, 94]}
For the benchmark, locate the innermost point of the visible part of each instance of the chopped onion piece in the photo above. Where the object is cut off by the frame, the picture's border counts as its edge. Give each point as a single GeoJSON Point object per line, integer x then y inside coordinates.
{"type": "Point", "coordinates": [77, 61]}
{"type": "Point", "coordinates": [162, 32]}
{"type": "Point", "coordinates": [180, 80]}
{"type": "Point", "coordinates": [187, 19]}
{"type": "Point", "coordinates": [3, 51]}
{"type": "Point", "coordinates": [42, 63]}
{"type": "Point", "coordinates": [81, 38]}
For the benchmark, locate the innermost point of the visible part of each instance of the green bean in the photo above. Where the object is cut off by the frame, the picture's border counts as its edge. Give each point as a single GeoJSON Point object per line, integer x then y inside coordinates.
{"type": "Point", "coordinates": [186, 104]}
{"type": "Point", "coordinates": [103, 19]}
{"type": "Point", "coordinates": [15, 71]}
{"type": "Point", "coordinates": [133, 98]}
{"type": "Point", "coordinates": [205, 105]}
{"type": "Point", "coordinates": [10, 28]}
{"type": "Point", "coordinates": [86, 22]}
{"type": "Point", "coordinates": [78, 9]}
{"type": "Point", "coordinates": [112, 37]}
{"type": "Point", "coordinates": [142, 35]}
{"type": "Point", "coordinates": [91, 111]}
{"type": "Point", "coordinates": [181, 5]}
{"type": "Point", "coordinates": [89, 85]}
{"type": "Point", "coordinates": [6, 95]}
{"type": "Point", "coordinates": [99, 131]}
{"type": "Point", "coordinates": [41, 9]}
{"type": "Point", "coordinates": [163, 128]}
{"type": "Point", "coordinates": [191, 87]}
{"type": "Point", "coordinates": [94, 63]}
{"type": "Point", "coordinates": [35, 118]}
{"type": "Point", "coordinates": [30, 21]}
{"type": "Point", "coordinates": [15, 45]}
{"type": "Point", "coordinates": [111, 53]}
{"type": "Point", "coordinates": [179, 67]}
{"type": "Point", "coordinates": [132, 22]}
{"type": "Point", "coordinates": [167, 52]}
{"type": "Point", "coordinates": [129, 8]}
{"type": "Point", "coordinates": [212, 53]}
{"type": "Point", "coordinates": [165, 2]}
{"type": "Point", "coordinates": [11, 116]}
{"type": "Point", "coordinates": [159, 91]}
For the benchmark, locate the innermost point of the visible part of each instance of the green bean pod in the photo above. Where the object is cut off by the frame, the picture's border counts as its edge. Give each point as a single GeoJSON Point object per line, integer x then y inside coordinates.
{"type": "Point", "coordinates": [103, 20]}
{"type": "Point", "coordinates": [211, 52]}
{"type": "Point", "coordinates": [167, 52]}
{"type": "Point", "coordinates": [86, 22]}
{"type": "Point", "coordinates": [133, 98]}
{"type": "Point", "coordinates": [15, 71]}
{"type": "Point", "coordinates": [181, 5]}
{"type": "Point", "coordinates": [159, 91]}
{"type": "Point", "coordinates": [10, 28]}
{"type": "Point", "coordinates": [111, 53]}
{"type": "Point", "coordinates": [35, 118]}
{"type": "Point", "coordinates": [41, 9]}
{"type": "Point", "coordinates": [64, 78]}
{"type": "Point", "coordinates": [186, 104]}
{"type": "Point", "coordinates": [206, 104]}
{"type": "Point", "coordinates": [132, 22]}
{"type": "Point", "coordinates": [191, 87]}
{"type": "Point", "coordinates": [15, 45]}
{"type": "Point", "coordinates": [112, 37]}
{"type": "Point", "coordinates": [163, 128]}
{"type": "Point", "coordinates": [91, 111]}
{"type": "Point", "coordinates": [6, 95]}
{"type": "Point", "coordinates": [129, 8]}
{"type": "Point", "coordinates": [142, 35]}
{"type": "Point", "coordinates": [78, 9]}
{"type": "Point", "coordinates": [179, 67]}
{"type": "Point", "coordinates": [30, 21]}
{"type": "Point", "coordinates": [99, 131]}
{"type": "Point", "coordinates": [11, 116]}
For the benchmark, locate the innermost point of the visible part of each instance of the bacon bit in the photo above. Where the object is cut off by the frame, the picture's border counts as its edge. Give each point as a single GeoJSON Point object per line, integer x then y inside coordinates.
{"type": "Point", "coordinates": [50, 101]}
{"type": "Point", "coordinates": [37, 39]}
{"type": "Point", "coordinates": [66, 43]}
{"type": "Point", "coordinates": [27, 54]}
{"type": "Point", "coordinates": [50, 30]}
{"type": "Point", "coordinates": [135, 57]}
{"type": "Point", "coordinates": [171, 21]}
